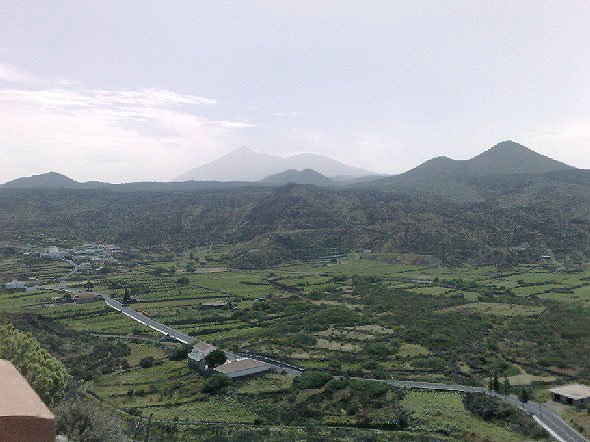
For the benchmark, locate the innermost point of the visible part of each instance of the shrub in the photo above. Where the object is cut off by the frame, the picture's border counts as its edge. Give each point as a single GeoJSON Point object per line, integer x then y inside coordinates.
{"type": "Point", "coordinates": [216, 383]}
{"type": "Point", "coordinates": [147, 362]}
{"type": "Point", "coordinates": [312, 379]}
{"type": "Point", "coordinates": [46, 375]}
{"type": "Point", "coordinates": [82, 421]}
{"type": "Point", "coordinates": [179, 353]}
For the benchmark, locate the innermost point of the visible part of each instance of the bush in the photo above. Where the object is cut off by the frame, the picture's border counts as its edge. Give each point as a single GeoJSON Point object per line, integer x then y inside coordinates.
{"type": "Point", "coordinates": [46, 375]}
{"type": "Point", "coordinates": [493, 409]}
{"type": "Point", "coordinates": [182, 280]}
{"type": "Point", "coordinates": [303, 339]}
{"type": "Point", "coordinates": [312, 379]}
{"type": "Point", "coordinates": [179, 353]}
{"type": "Point", "coordinates": [216, 384]}
{"type": "Point", "coordinates": [147, 362]}
{"type": "Point", "coordinates": [82, 421]}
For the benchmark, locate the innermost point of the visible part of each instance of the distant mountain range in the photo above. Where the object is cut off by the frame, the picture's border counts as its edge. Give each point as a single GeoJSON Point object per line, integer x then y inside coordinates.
{"type": "Point", "coordinates": [498, 168]}
{"type": "Point", "coordinates": [245, 164]}
{"type": "Point", "coordinates": [461, 179]}
{"type": "Point", "coordinates": [476, 210]}
{"type": "Point", "coordinates": [504, 158]}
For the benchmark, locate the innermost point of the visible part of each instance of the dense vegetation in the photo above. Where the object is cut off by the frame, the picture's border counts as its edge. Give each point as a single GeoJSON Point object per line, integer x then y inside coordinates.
{"type": "Point", "coordinates": [45, 373]}
{"type": "Point", "coordinates": [266, 226]}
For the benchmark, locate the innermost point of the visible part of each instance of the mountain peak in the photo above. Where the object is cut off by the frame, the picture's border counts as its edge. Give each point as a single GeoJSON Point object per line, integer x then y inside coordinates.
{"type": "Point", "coordinates": [305, 176]}
{"type": "Point", "coordinates": [245, 164]}
{"type": "Point", "coordinates": [511, 157]}
{"type": "Point", "coordinates": [510, 146]}
{"type": "Point", "coordinates": [49, 179]}
{"type": "Point", "coordinates": [243, 150]}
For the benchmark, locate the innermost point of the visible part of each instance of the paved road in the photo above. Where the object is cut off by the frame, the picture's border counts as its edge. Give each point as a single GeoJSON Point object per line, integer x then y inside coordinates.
{"type": "Point", "coordinates": [158, 326]}
{"type": "Point", "coordinates": [549, 420]}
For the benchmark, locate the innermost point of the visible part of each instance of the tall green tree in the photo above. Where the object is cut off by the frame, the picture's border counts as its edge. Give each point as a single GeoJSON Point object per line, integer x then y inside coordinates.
{"type": "Point", "coordinates": [507, 387]}
{"type": "Point", "coordinates": [46, 375]}
{"type": "Point", "coordinates": [523, 395]}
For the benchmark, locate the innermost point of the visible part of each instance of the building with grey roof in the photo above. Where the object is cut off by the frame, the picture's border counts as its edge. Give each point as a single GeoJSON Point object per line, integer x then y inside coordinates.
{"type": "Point", "coordinates": [573, 394]}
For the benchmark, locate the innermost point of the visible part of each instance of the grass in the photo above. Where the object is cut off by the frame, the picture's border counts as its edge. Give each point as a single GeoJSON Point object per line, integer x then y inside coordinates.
{"type": "Point", "coordinates": [497, 309]}
{"type": "Point", "coordinates": [408, 319]}
{"type": "Point", "coordinates": [443, 413]}
{"type": "Point", "coordinates": [412, 350]}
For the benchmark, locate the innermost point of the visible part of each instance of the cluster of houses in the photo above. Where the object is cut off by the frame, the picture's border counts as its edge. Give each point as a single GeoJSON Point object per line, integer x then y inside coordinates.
{"type": "Point", "coordinates": [22, 286]}
{"type": "Point", "coordinates": [87, 252]}
{"type": "Point", "coordinates": [234, 367]}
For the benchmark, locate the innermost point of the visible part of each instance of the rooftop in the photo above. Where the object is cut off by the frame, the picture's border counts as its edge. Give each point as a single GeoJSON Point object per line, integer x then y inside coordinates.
{"type": "Point", "coordinates": [239, 365]}
{"type": "Point", "coordinates": [203, 347]}
{"type": "Point", "coordinates": [215, 304]}
{"type": "Point", "coordinates": [18, 398]}
{"type": "Point", "coordinates": [574, 391]}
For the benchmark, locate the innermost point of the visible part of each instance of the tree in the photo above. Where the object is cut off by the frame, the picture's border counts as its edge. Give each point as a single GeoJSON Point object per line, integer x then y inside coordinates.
{"type": "Point", "coordinates": [180, 353]}
{"type": "Point", "coordinates": [494, 384]}
{"type": "Point", "coordinates": [215, 358]}
{"type": "Point", "coordinates": [182, 280]}
{"type": "Point", "coordinates": [147, 362]}
{"type": "Point", "coordinates": [216, 383]}
{"type": "Point", "coordinates": [89, 285]}
{"type": "Point", "coordinates": [46, 375]}
{"type": "Point", "coordinates": [524, 395]}
{"type": "Point", "coordinates": [507, 386]}
{"type": "Point", "coordinates": [126, 297]}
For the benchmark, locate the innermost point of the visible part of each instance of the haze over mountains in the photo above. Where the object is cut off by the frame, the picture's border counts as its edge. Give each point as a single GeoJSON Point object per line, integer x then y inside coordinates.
{"type": "Point", "coordinates": [245, 167]}
{"type": "Point", "coordinates": [455, 210]}
{"type": "Point", "coordinates": [245, 164]}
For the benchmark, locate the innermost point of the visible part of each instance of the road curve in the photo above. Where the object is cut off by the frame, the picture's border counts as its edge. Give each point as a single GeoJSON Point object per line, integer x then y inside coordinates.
{"type": "Point", "coordinates": [548, 419]}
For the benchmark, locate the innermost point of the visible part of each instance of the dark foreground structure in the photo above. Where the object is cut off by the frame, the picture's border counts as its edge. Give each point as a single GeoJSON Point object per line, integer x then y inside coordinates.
{"type": "Point", "coordinates": [23, 416]}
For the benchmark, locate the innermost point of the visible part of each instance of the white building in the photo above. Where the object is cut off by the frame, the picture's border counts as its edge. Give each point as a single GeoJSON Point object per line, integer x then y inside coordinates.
{"type": "Point", "coordinates": [196, 358]}
{"type": "Point", "coordinates": [52, 252]}
{"type": "Point", "coordinates": [234, 367]}
{"type": "Point", "coordinates": [15, 284]}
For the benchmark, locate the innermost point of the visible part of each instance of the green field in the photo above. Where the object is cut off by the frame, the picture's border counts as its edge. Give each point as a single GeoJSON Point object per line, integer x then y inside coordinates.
{"type": "Point", "coordinates": [357, 317]}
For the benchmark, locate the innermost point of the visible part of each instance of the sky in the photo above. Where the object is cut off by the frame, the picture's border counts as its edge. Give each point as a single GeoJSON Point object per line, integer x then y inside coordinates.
{"type": "Point", "coordinates": [146, 90]}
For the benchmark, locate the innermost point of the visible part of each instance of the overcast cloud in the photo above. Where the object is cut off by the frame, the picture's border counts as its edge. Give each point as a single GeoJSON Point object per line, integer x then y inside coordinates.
{"type": "Point", "coordinates": [125, 91]}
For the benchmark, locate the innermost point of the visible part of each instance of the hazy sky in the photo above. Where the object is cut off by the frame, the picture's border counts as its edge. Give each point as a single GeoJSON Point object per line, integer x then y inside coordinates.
{"type": "Point", "coordinates": [123, 90]}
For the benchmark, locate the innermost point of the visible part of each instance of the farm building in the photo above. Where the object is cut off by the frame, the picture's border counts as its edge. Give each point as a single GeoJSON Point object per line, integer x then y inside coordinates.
{"type": "Point", "coordinates": [234, 367]}
{"type": "Point", "coordinates": [23, 416]}
{"type": "Point", "coordinates": [196, 358]}
{"type": "Point", "coordinates": [215, 304]}
{"type": "Point", "coordinates": [242, 367]}
{"type": "Point", "coordinates": [16, 285]}
{"type": "Point", "coordinates": [85, 297]}
{"type": "Point", "coordinates": [573, 394]}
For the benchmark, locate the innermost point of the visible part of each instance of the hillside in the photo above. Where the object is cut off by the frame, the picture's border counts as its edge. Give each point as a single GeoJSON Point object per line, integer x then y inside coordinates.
{"type": "Point", "coordinates": [305, 176]}
{"type": "Point", "coordinates": [480, 177]}
{"type": "Point", "coordinates": [509, 157]}
{"type": "Point", "coordinates": [247, 165]}
{"type": "Point", "coordinates": [50, 179]}
{"type": "Point", "coordinates": [262, 226]}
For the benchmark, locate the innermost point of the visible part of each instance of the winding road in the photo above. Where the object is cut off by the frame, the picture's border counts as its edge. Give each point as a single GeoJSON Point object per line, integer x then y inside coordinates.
{"type": "Point", "coordinates": [548, 419]}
